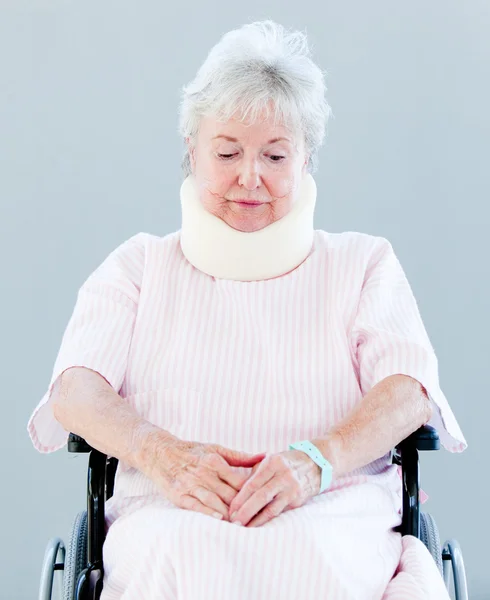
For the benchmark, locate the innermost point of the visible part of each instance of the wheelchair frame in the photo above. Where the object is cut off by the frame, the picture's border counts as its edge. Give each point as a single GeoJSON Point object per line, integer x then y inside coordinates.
{"type": "Point", "coordinates": [100, 487]}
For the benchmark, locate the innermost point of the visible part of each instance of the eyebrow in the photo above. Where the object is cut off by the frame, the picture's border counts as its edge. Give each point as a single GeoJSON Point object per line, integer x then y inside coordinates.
{"type": "Point", "coordinates": [232, 139]}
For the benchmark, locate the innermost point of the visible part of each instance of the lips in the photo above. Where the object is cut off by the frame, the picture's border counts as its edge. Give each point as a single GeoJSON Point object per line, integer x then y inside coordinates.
{"type": "Point", "coordinates": [248, 202]}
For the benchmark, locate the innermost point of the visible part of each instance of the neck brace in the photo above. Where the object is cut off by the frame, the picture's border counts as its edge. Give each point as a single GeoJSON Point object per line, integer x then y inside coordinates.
{"type": "Point", "coordinates": [215, 248]}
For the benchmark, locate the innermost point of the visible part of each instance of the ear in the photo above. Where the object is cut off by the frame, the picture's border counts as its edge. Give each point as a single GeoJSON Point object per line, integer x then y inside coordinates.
{"type": "Point", "coordinates": [304, 168]}
{"type": "Point", "coordinates": [192, 153]}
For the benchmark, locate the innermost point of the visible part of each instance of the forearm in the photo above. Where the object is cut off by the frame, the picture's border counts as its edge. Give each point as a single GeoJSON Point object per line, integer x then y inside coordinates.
{"type": "Point", "coordinates": [85, 404]}
{"type": "Point", "coordinates": [390, 412]}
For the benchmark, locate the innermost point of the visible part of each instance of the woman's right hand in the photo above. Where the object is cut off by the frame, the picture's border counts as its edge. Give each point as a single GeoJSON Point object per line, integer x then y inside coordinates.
{"type": "Point", "coordinates": [199, 476]}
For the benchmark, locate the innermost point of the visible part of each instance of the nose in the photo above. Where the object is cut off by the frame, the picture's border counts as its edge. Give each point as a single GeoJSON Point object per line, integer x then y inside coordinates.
{"type": "Point", "coordinates": [249, 174]}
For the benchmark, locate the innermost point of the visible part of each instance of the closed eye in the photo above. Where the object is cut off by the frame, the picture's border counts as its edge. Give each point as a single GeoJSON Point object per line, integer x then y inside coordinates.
{"type": "Point", "coordinates": [226, 156]}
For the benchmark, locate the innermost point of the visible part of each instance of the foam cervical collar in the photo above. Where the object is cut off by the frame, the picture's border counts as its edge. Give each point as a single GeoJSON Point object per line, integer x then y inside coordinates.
{"type": "Point", "coordinates": [217, 249]}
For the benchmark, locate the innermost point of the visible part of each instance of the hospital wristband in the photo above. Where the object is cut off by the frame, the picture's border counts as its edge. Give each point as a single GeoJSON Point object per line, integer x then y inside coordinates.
{"type": "Point", "coordinates": [317, 457]}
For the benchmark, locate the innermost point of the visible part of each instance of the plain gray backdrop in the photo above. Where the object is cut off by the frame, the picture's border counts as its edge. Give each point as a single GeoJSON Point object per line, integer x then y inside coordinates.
{"type": "Point", "coordinates": [90, 156]}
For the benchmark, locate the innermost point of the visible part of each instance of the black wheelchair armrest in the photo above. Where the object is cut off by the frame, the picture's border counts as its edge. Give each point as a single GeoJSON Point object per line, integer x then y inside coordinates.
{"type": "Point", "coordinates": [76, 443]}
{"type": "Point", "coordinates": [425, 438]}
{"type": "Point", "coordinates": [407, 455]}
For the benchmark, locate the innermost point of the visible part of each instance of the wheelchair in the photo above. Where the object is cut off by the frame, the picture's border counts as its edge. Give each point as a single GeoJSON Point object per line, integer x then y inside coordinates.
{"type": "Point", "coordinates": [83, 570]}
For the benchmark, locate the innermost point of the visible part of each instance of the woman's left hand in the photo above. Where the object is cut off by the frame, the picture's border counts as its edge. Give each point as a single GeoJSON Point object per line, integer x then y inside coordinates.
{"type": "Point", "coordinates": [278, 483]}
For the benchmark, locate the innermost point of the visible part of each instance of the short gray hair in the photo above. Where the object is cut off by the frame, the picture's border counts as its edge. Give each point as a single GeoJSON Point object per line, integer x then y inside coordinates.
{"type": "Point", "coordinates": [250, 68]}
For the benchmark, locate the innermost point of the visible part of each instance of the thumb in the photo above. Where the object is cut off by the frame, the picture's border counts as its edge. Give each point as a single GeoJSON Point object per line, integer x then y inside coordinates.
{"type": "Point", "coordinates": [236, 458]}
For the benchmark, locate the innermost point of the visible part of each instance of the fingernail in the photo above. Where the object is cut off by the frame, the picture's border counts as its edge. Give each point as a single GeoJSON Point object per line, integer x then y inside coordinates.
{"type": "Point", "coordinates": [217, 515]}
{"type": "Point", "coordinates": [234, 520]}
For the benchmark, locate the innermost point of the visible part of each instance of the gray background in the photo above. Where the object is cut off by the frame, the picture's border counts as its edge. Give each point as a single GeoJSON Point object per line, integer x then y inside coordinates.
{"type": "Point", "coordinates": [90, 156]}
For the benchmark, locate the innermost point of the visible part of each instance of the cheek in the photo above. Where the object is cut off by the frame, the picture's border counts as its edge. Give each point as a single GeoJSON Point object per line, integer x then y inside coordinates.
{"type": "Point", "coordinates": [211, 176]}
{"type": "Point", "coordinates": [283, 185]}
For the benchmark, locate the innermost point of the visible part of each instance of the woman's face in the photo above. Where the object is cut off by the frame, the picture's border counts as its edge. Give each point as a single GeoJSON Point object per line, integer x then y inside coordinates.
{"type": "Point", "coordinates": [235, 162]}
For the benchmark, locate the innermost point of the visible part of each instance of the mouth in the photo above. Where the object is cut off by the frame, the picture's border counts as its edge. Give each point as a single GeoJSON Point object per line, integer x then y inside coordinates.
{"type": "Point", "coordinates": [248, 202]}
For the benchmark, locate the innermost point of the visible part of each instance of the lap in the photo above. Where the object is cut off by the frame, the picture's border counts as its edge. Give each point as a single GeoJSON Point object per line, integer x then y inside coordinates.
{"type": "Point", "coordinates": [176, 554]}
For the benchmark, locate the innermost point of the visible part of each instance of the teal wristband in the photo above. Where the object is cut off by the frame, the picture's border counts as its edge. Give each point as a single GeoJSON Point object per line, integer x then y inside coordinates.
{"type": "Point", "coordinates": [318, 458]}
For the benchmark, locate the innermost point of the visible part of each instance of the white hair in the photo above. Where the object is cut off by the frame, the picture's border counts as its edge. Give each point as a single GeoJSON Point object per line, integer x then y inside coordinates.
{"type": "Point", "coordinates": [250, 69]}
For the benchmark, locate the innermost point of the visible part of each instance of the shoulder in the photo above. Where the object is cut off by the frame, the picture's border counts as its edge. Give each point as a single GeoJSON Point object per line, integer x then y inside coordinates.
{"type": "Point", "coordinates": [140, 245]}
{"type": "Point", "coordinates": [352, 257]}
{"type": "Point", "coordinates": [355, 246]}
{"type": "Point", "coordinates": [129, 260]}
{"type": "Point", "coordinates": [142, 241]}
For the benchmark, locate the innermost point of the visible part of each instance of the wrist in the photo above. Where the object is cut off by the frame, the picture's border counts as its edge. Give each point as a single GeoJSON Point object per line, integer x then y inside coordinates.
{"type": "Point", "coordinates": [151, 446]}
{"type": "Point", "coordinates": [316, 462]}
{"type": "Point", "coordinates": [331, 448]}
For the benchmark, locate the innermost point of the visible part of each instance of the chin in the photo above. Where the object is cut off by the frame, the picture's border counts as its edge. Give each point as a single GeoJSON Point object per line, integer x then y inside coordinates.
{"type": "Point", "coordinates": [245, 225]}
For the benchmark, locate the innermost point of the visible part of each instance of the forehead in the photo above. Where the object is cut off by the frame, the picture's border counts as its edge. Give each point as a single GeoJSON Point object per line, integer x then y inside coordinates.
{"type": "Point", "coordinates": [263, 131]}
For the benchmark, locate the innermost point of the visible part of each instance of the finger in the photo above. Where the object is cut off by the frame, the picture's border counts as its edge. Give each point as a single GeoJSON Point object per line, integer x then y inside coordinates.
{"type": "Point", "coordinates": [264, 473]}
{"type": "Point", "coordinates": [228, 475]}
{"type": "Point", "coordinates": [209, 499]}
{"type": "Point", "coordinates": [239, 459]}
{"type": "Point", "coordinates": [191, 503]}
{"type": "Point", "coordinates": [259, 499]}
{"type": "Point", "coordinates": [222, 489]}
{"type": "Point", "coordinates": [272, 510]}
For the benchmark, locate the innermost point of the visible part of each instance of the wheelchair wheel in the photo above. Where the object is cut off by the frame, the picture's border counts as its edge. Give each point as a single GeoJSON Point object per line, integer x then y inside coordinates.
{"type": "Point", "coordinates": [429, 535]}
{"type": "Point", "coordinates": [54, 558]}
{"type": "Point", "coordinates": [76, 557]}
{"type": "Point", "coordinates": [451, 553]}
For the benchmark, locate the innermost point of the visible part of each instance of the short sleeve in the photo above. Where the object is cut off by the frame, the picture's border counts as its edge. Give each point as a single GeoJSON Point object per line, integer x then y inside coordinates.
{"type": "Point", "coordinates": [389, 337]}
{"type": "Point", "coordinates": [98, 334]}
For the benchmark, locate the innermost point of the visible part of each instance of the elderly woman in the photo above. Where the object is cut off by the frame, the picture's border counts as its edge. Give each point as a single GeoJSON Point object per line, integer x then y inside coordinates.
{"type": "Point", "coordinates": [251, 373]}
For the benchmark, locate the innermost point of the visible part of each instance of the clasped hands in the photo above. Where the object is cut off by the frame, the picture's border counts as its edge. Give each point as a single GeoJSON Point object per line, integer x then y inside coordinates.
{"type": "Point", "coordinates": [279, 482]}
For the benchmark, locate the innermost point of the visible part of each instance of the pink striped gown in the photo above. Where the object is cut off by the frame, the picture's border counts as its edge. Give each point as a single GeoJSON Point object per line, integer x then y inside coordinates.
{"type": "Point", "coordinates": [254, 366]}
